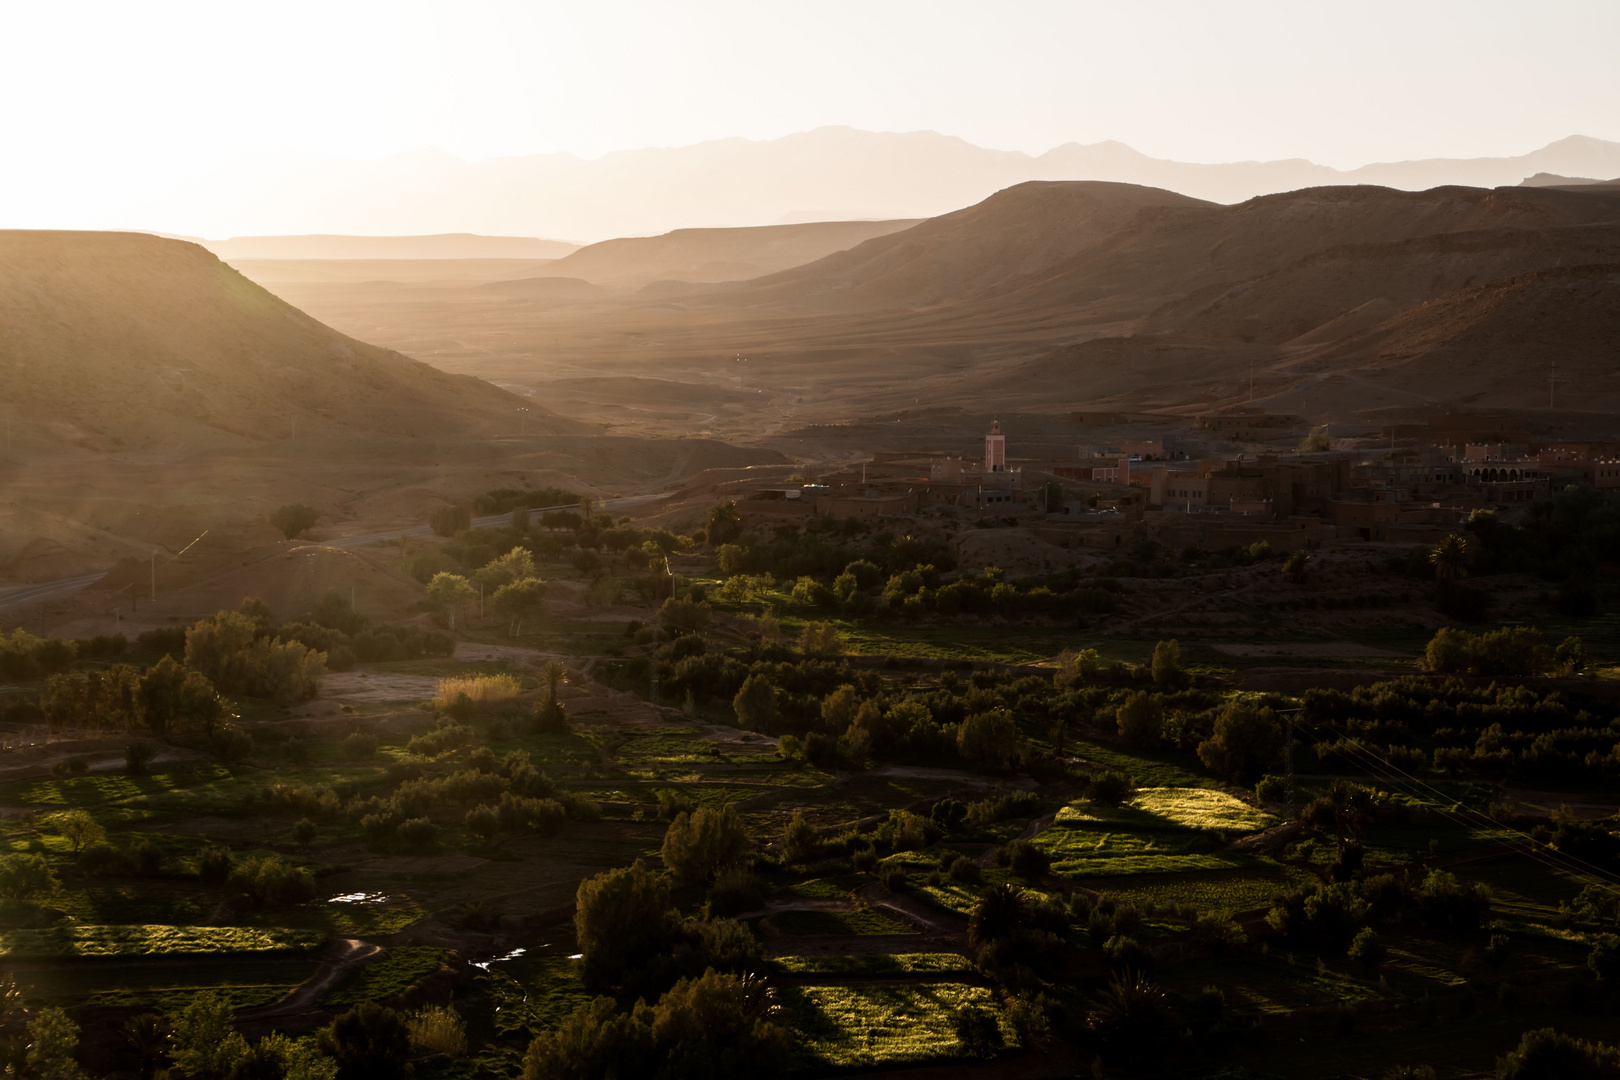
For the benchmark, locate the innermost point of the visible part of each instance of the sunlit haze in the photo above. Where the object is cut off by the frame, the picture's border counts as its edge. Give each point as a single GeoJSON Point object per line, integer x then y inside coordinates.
{"type": "Point", "coordinates": [108, 103]}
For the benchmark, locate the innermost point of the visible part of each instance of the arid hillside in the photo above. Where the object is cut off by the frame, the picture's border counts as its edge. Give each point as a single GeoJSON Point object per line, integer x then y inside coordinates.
{"type": "Point", "coordinates": [1007, 301]}
{"type": "Point", "coordinates": [712, 255]}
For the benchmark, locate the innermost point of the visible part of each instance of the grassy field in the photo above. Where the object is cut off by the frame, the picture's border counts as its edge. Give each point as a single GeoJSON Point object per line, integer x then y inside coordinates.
{"type": "Point", "coordinates": [874, 967]}
{"type": "Point", "coordinates": [384, 978]}
{"type": "Point", "coordinates": [1087, 840]}
{"type": "Point", "coordinates": [1223, 892]}
{"type": "Point", "coordinates": [145, 941]}
{"type": "Point", "coordinates": [861, 921]}
{"type": "Point", "coordinates": [882, 1026]}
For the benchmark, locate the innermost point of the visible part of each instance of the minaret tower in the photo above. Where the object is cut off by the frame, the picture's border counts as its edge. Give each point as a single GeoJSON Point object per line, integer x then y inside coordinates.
{"type": "Point", "coordinates": [995, 449]}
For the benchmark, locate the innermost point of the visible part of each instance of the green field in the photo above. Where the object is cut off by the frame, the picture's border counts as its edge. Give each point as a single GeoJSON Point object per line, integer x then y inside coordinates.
{"type": "Point", "coordinates": [874, 967]}
{"type": "Point", "coordinates": [885, 1025]}
{"type": "Point", "coordinates": [145, 941]}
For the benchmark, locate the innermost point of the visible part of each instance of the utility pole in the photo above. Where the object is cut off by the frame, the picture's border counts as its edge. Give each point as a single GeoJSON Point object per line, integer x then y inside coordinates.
{"type": "Point", "coordinates": [1552, 385]}
{"type": "Point", "coordinates": [154, 575]}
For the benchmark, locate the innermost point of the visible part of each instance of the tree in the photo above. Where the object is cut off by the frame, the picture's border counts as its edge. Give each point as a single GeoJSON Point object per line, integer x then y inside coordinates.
{"type": "Point", "coordinates": [697, 846]}
{"type": "Point", "coordinates": [169, 695]}
{"type": "Point", "coordinates": [1166, 665]}
{"type": "Point", "coordinates": [1133, 1017]}
{"type": "Point", "coordinates": [1347, 807]}
{"type": "Point", "coordinates": [999, 912]}
{"type": "Point", "coordinates": [991, 738]}
{"type": "Point", "coordinates": [449, 593]}
{"type": "Point", "coordinates": [1296, 566]}
{"type": "Point", "coordinates": [515, 565]}
{"type": "Point", "coordinates": [1140, 720]}
{"type": "Point", "coordinates": [294, 520]}
{"type": "Point", "coordinates": [552, 717]}
{"type": "Point", "coordinates": [518, 602]}
{"type": "Point", "coordinates": [820, 639]}
{"type": "Point", "coordinates": [755, 704]}
{"type": "Point", "coordinates": [691, 616]}
{"type": "Point", "coordinates": [1072, 667]}
{"type": "Point", "coordinates": [714, 1027]}
{"type": "Point", "coordinates": [206, 1042]}
{"type": "Point", "coordinates": [1049, 497]}
{"type": "Point", "coordinates": [1245, 741]}
{"type": "Point", "coordinates": [53, 1039]}
{"type": "Point", "coordinates": [1450, 558]}
{"type": "Point", "coordinates": [148, 1036]}
{"type": "Point", "coordinates": [1546, 1054]}
{"type": "Point", "coordinates": [624, 922]}
{"type": "Point", "coordinates": [449, 520]}
{"type": "Point", "coordinates": [723, 524]}
{"type": "Point", "coordinates": [1570, 656]}
{"type": "Point", "coordinates": [25, 874]}
{"type": "Point", "coordinates": [80, 829]}
{"type": "Point", "coordinates": [369, 1042]}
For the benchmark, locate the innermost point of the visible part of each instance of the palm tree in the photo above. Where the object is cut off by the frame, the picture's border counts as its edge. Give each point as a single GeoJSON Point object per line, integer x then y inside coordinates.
{"type": "Point", "coordinates": [1450, 558]}
{"type": "Point", "coordinates": [724, 523]}
{"type": "Point", "coordinates": [999, 911]}
{"type": "Point", "coordinates": [552, 717]}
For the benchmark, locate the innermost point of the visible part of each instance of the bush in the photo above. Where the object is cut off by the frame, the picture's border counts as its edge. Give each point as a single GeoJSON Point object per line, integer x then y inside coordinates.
{"type": "Point", "coordinates": [360, 746]}
{"type": "Point", "coordinates": [979, 1033]}
{"type": "Point", "coordinates": [1512, 650]}
{"type": "Point", "coordinates": [102, 860]}
{"type": "Point", "coordinates": [1366, 950]}
{"type": "Point", "coordinates": [1604, 959]}
{"type": "Point", "coordinates": [270, 881]}
{"type": "Point", "coordinates": [24, 875]}
{"type": "Point", "coordinates": [1271, 789]}
{"type": "Point", "coordinates": [294, 520]}
{"type": "Point", "coordinates": [483, 822]}
{"type": "Point", "coordinates": [230, 744]}
{"type": "Point", "coordinates": [449, 520]}
{"type": "Point", "coordinates": [801, 842]}
{"type": "Point", "coordinates": [214, 864]}
{"type": "Point", "coordinates": [145, 858]}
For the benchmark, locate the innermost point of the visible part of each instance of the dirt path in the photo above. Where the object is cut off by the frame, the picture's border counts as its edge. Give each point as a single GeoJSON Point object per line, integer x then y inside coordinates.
{"type": "Point", "coordinates": [936, 922]}
{"type": "Point", "coordinates": [355, 952]}
{"type": "Point", "coordinates": [1031, 831]}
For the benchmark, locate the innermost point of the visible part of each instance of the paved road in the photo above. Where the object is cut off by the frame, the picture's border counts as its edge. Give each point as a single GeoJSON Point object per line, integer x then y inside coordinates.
{"type": "Point", "coordinates": [27, 594]}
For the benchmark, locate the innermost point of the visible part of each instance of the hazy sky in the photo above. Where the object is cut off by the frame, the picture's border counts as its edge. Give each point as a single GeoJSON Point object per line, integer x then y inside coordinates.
{"type": "Point", "coordinates": [119, 93]}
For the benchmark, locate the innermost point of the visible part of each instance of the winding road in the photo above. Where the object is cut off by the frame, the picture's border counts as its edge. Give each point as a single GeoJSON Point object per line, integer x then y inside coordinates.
{"type": "Point", "coordinates": [19, 595]}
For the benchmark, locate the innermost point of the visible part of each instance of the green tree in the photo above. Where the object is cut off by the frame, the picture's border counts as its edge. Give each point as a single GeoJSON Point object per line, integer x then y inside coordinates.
{"type": "Point", "coordinates": [1570, 656]}
{"type": "Point", "coordinates": [53, 1040]}
{"type": "Point", "coordinates": [723, 524]}
{"type": "Point", "coordinates": [1140, 719]}
{"type": "Point", "coordinates": [755, 704]}
{"type": "Point", "coordinates": [697, 846]}
{"type": "Point", "coordinates": [1166, 665]}
{"type": "Point", "coordinates": [520, 602]}
{"type": "Point", "coordinates": [624, 922]}
{"type": "Point", "coordinates": [204, 1036]}
{"type": "Point", "coordinates": [1073, 667]}
{"type": "Point", "coordinates": [80, 829]}
{"type": "Point", "coordinates": [369, 1042]}
{"type": "Point", "coordinates": [171, 696]}
{"type": "Point", "coordinates": [991, 739]}
{"type": "Point", "coordinates": [820, 639]}
{"type": "Point", "coordinates": [449, 593]}
{"type": "Point", "coordinates": [1546, 1054]}
{"type": "Point", "coordinates": [1296, 566]}
{"type": "Point", "coordinates": [1450, 558]}
{"type": "Point", "coordinates": [25, 874]}
{"type": "Point", "coordinates": [449, 520]}
{"type": "Point", "coordinates": [1245, 741]}
{"type": "Point", "coordinates": [515, 565]}
{"type": "Point", "coordinates": [999, 912]}
{"type": "Point", "coordinates": [294, 520]}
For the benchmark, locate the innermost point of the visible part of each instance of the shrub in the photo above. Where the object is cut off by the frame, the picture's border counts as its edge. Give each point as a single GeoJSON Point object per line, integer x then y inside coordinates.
{"type": "Point", "coordinates": [999, 912]}
{"type": "Point", "coordinates": [1124, 955]}
{"type": "Point", "coordinates": [1366, 950]}
{"type": "Point", "coordinates": [979, 1033]}
{"type": "Point", "coordinates": [991, 739]}
{"type": "Point", "coordinates": [360, 746]}
{"type": "Point", "coordinates": [483, 822]}
{"type": "Point", "coordinates": [1271, 789]}
{"type": "Point", "coordinates": [1604, 959]}
{"type": "Point", "coordinates": [479, 692]}
{"type": "Point", "coordinates": [1512, 650]}
{"type": "Point", "coordinates": [230, 744]}
{"type": "Point", "coordinates": [145, 858]}
{"type": "Point", "coordinates": [79, 829]}
{"type": "Point", "coordinates": [1166, 665]}
{"type": "Point", "coordinates": [294, 519]}
{"type": "Point", "coordinates": [102, 860]}
{"type": "Point", "coordinates": [214, 864]}
{"type": "Point", "coordinates": [801, 842]}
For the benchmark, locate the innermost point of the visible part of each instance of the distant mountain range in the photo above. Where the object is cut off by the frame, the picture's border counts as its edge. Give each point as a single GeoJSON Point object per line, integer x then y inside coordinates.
{"type": "Point", "coordinates": [829, 174]}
